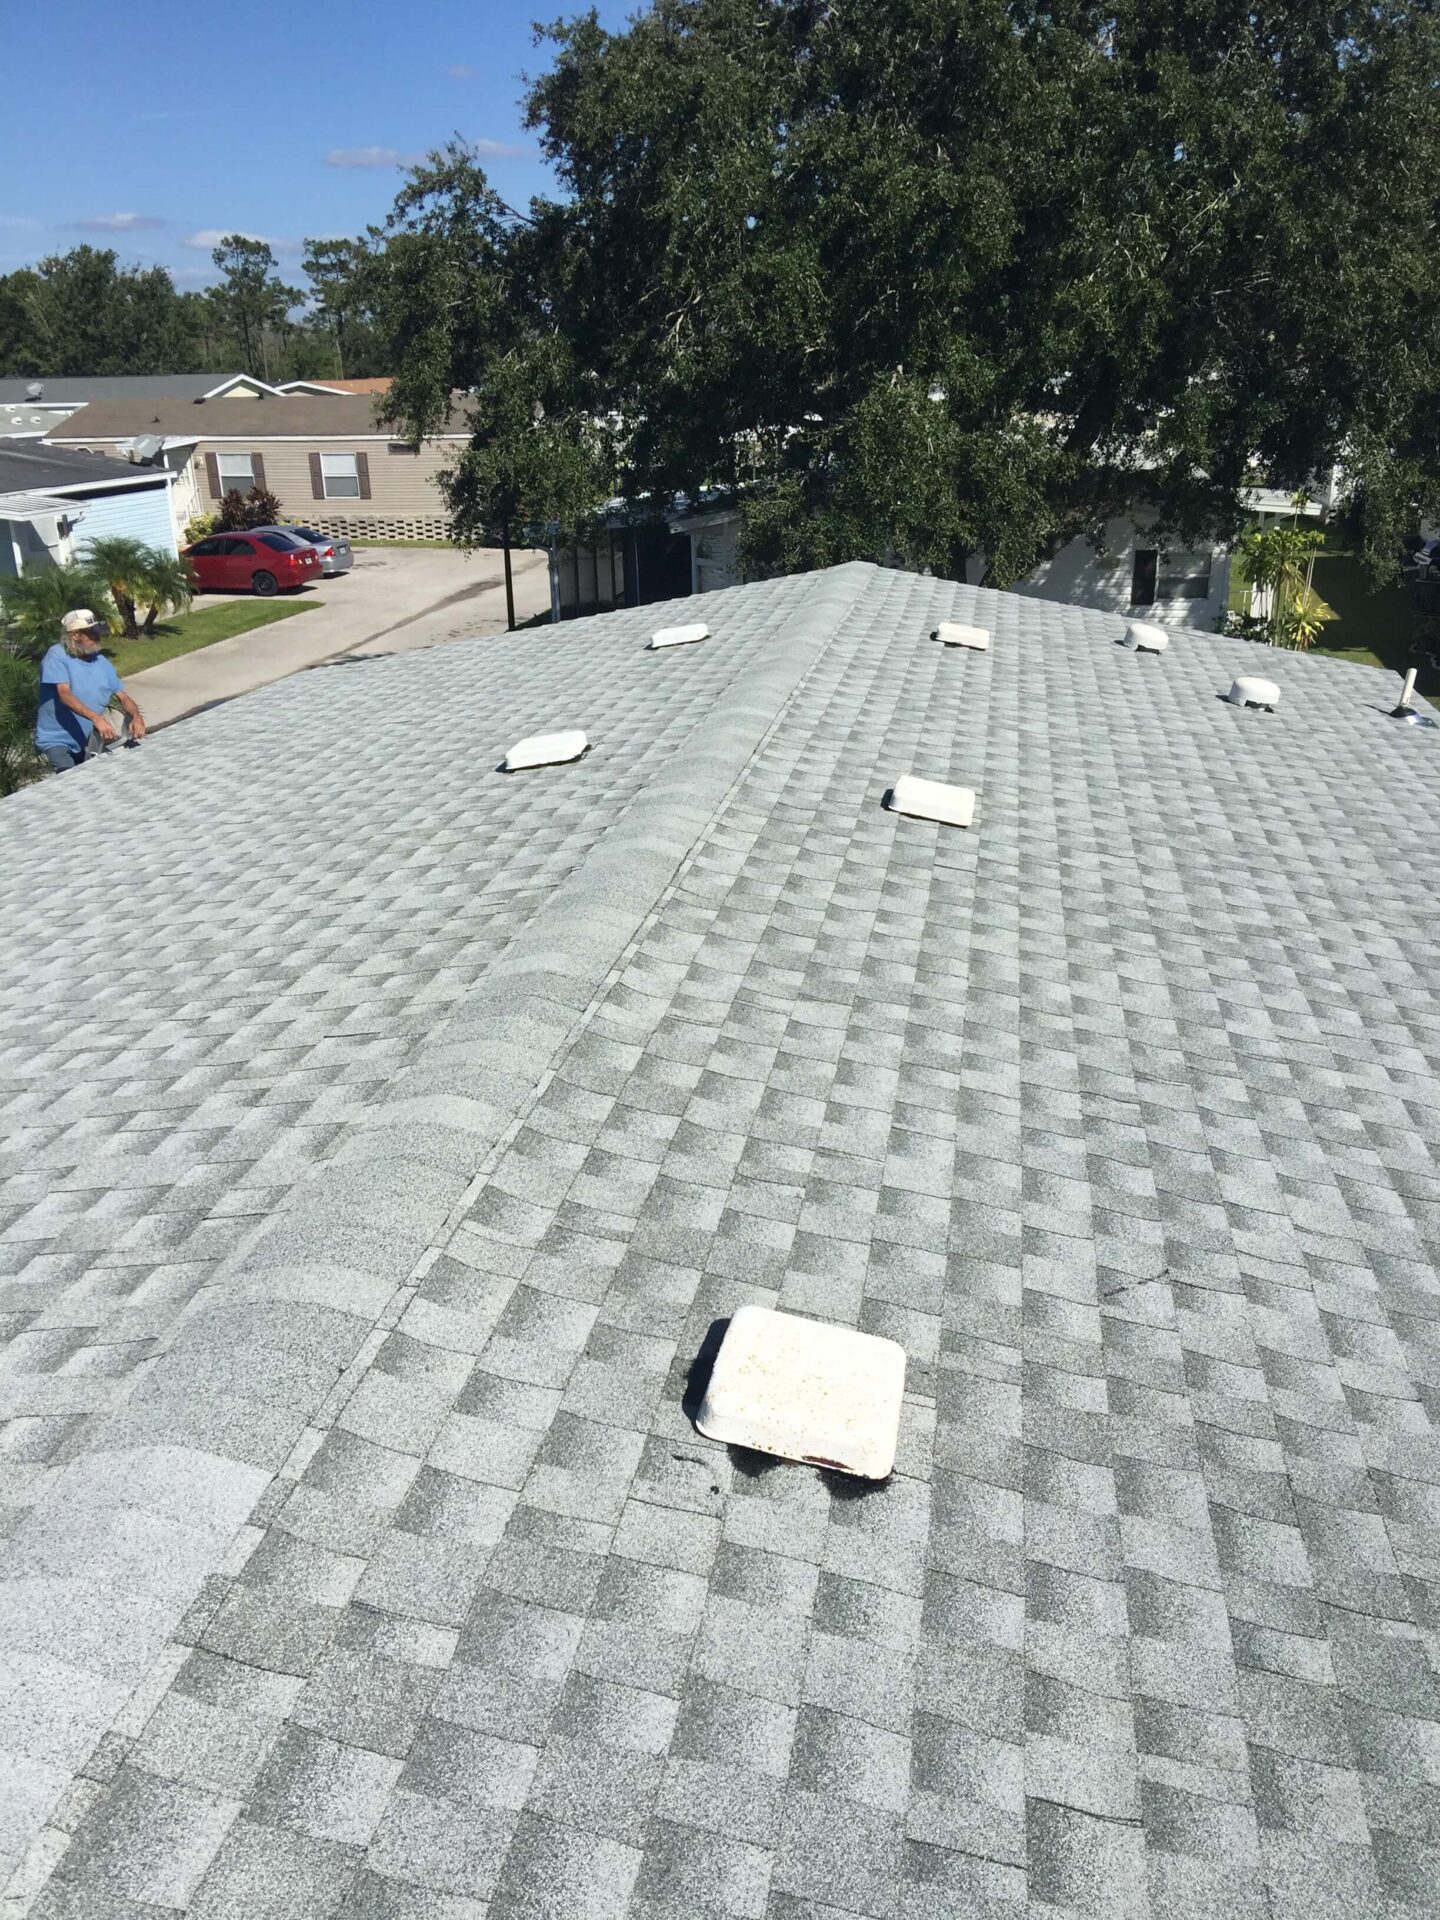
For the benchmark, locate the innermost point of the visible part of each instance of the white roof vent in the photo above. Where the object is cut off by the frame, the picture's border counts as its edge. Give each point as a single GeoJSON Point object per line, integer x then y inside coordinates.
{"type": "Point", "coordinates": [808, 1391]}
{"type": "Point", "coordinates": [545, 750]}
{"type": "Point", "coordinates": [950, 633]}
{"type": "Point", "coordinates": [1250, 691]}
{"type": "Point", "coordinates": [678, 636]}
{"type": "Point", "coordinates": [1407, 710]}
{"type": "Point", "coordinates": [931, 800]}
{"type": "Point", "coordinates": [1141, 637]}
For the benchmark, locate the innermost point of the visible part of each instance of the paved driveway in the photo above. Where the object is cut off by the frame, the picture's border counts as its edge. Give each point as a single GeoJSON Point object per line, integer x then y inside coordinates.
{"type": "Point", "coordinates": [395, 599]}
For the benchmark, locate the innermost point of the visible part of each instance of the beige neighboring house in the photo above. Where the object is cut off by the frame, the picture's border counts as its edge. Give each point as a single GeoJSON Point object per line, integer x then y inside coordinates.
{"type": "Point", "coordinates": [321, 454]}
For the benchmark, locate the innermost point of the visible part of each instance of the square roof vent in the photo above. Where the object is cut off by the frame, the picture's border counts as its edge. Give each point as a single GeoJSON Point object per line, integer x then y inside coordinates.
{"type": "Point", "coordinates": [1250, 691]}
{"type": "Point", "coordinates": [545, 750]}
{"type": "Point", "coordinates": [806, 1390]}
{"type": "Point", "coordinates": [678, 636]}
{"type": "Point", "coordinates": [1141, 637]}
{"type": "Point", "coordinates": [931, 800]}
{"type": "Point", "coordinates": [950, 633]}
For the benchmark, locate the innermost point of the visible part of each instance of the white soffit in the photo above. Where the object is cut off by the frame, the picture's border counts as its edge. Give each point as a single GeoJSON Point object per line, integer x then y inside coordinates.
{"type": "Point", "coordinates": [931, 800]}
{"type": "Point", "coordinates": [950, 633]}
{"type": "Point", "coordinates": [545, 750]}
{"type": "Point", "coordinates": [1251, 691]}
{"type": "Point", "coordinates": [678, 636]}
{"type": "Point", "coordinates": [1142, 637]}
{"type": "Point", "coordinates": [807, 1391]}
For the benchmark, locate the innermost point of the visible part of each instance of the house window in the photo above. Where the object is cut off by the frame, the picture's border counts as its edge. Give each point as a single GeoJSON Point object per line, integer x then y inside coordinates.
{"type": "Point", "coordinates": [1184, 576]}
{"type": "Point", "coordinates": [236, 470]}
{"type": "Point", "coordinates": [1143, 573]}
{"type": "Point", "coordinates": [341, 476]}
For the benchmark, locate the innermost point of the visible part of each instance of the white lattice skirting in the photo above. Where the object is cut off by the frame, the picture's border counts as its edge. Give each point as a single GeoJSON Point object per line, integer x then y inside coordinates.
{"type": "Point", "coordinates": [381, 526]}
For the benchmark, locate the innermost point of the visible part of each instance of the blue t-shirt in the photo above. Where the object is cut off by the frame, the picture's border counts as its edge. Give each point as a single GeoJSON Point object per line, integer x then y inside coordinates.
{"type": "Point", "coordinates": [93, 682]}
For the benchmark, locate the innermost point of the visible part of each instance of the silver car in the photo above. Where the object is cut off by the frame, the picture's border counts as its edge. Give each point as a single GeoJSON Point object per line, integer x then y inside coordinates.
{"type": "Point", "coordinates": [335, 555]}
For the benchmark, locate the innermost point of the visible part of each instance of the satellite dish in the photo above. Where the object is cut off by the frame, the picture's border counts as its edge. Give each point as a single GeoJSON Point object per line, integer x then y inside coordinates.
{"type": "Point", "coordinates": [145, 447]}
{"type": "Point", "coordinates": [35, 390]}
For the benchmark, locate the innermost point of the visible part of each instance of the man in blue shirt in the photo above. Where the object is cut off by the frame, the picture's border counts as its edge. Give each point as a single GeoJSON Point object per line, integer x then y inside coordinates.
{"type": "Point", "coordinates": [77, 684]}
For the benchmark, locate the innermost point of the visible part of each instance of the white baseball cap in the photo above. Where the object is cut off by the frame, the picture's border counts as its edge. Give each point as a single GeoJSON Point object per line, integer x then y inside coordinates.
{"type": "Point", "coordinates": [82, 620]}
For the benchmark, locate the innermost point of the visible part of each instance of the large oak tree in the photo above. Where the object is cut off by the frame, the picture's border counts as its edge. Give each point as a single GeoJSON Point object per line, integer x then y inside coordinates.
{"type": "Point", "coordinates": [920, 278]}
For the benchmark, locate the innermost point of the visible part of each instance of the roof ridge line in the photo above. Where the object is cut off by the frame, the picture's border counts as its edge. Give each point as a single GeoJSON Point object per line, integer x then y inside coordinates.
{"type": "Point", "coordinates": [350, 1237]}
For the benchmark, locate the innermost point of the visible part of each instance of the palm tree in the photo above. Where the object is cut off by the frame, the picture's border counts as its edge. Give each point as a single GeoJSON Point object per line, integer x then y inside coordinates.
{"type": "Point", "coordinates": [123, 563]}
{"type": "Point", "coordinates": [141, 576]}
{"type": "Point", "coordinates": [168, 587]}
{"type": "Point", "coordinates": [33, 603]}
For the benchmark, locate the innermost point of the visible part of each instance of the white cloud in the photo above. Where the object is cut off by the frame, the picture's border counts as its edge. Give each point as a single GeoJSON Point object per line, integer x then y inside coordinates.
{"type": "Point", "coordinates": [461, 72]}
{"type": "Point", "coordinates": [393, 157]}
{"type": "Point", "coordinates": [120, 223]}
{"type": "Point", "coordinates": [371, 157]}
{"type": "Point", "coordinates": [18, 221]}
{"type": "Point", "coordinates": [208, 238]}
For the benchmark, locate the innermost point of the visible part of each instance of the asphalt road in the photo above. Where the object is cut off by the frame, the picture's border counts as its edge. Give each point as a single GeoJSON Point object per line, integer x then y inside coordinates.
{"type": "Point", "coordinates": [394, 600]}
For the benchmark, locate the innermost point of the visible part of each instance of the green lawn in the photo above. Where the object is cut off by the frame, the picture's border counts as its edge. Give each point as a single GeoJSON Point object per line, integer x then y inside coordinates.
{"type": "Point", "coordinates": [1371, 627]}
{"type": "Point", "coordinates": [1375, 628]}
{"type": "Point", "coordinates": [205, 623]}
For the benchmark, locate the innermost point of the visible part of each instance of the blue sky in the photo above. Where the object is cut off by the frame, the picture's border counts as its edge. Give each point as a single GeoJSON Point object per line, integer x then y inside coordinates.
{"type": "Point", "coordinates": [162, 124]}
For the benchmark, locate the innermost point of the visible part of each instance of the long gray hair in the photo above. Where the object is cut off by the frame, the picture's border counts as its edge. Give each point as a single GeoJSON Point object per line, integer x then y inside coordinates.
{"type": "Point", "coordinates": [71, 641]}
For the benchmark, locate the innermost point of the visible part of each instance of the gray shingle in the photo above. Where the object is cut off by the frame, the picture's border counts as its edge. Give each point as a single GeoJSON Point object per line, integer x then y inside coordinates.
{"type": "Point", "coordinates": [350, 1298]}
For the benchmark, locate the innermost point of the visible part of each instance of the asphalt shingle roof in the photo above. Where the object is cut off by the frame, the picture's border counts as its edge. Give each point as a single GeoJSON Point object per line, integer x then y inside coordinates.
{"type": "Point", "coordinates": [383, 1135]}
{"type": "Point", "coordinates": [31, 465]}
{"type": "Point", "coordinates": [309, 416]}
{"type": "Point", "coordinates": [110, 386]}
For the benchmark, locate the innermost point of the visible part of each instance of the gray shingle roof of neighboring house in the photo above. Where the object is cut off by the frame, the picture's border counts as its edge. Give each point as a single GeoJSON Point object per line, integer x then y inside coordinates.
{"type": "Point", "coordinates": [307, 416]}
{"type": "Point", "coordinates": [383, 1135]}
{"type": "Point", "coordinates": [31, 464]}
{"type": "Point", "coordinates": [118, 386]}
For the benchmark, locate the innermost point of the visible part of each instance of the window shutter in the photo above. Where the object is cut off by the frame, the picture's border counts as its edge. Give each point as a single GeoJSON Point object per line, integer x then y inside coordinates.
{"type": "Point", "coordinates": [257, 468]}
{"type": "Point", "coordinates": [317, 478]}
{"type": "Point", "coordinates": [362, 470]}
{"type": "Point", "coordinates": [212, 475]}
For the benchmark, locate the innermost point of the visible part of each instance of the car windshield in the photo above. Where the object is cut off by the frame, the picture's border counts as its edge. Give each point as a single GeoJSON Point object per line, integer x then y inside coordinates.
{"type": "Point", "coordinates": [282, 543]}
{"type": "Point", "coordinates": [306, 533]}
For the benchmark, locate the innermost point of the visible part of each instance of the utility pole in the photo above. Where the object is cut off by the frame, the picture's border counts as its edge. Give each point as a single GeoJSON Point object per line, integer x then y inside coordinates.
{"type": "Point", "coordinates": [509, 582]}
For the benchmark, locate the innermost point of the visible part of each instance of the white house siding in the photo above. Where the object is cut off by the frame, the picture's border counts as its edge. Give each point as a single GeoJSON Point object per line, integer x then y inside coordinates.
{"type": "Point", "coordinates": [187, 494]}
{"type": "Point", "coordinates": [28, 545]}
{"type": "Point", "coordinates": [714, 553]}
{"type": "Point", "coordinates": [1081, 576]}
{"type": "Point", "coordinates": [143, 514]}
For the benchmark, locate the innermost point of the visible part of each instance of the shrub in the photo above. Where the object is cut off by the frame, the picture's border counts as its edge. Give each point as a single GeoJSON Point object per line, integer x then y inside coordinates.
{"type": "Point", "coordinates": [257, 508]}
{"type": "Point", "coordinates": [19, 690]}
{"type": "Point", "coordinates": [33, 603]}
{"type": "Point", "coordinates": [201, 527]}
{"type": "Point", "coordinates": [263, 507]}
{"type": "Point", "coordinates": [231, 516]}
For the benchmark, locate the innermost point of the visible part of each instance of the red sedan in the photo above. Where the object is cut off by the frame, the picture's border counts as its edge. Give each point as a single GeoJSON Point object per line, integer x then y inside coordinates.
{"type": "Point", "coordinates": [262, 563]}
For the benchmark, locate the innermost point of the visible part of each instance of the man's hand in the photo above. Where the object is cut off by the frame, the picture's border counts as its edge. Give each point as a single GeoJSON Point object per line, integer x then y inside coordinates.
{"type": "Point", "coordinates": [137, 726]}
{"type": "Point", "coordinates": [105, 728]}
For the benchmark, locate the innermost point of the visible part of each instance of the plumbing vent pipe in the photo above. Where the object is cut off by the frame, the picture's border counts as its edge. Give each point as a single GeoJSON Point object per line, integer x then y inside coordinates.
{"type": "Point", "coordinates": [1141, 637]}
{"type": "Point", "coordinates": [1250, 691]}
{"type": "Point", "coordinates": [545, 750]}
{"type": "Point", "coordinates": [950, 633]}
{"type": "Point", "coordinates": [931, 800]}
{"type": "Point", "coordinates": [1407, 710]}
